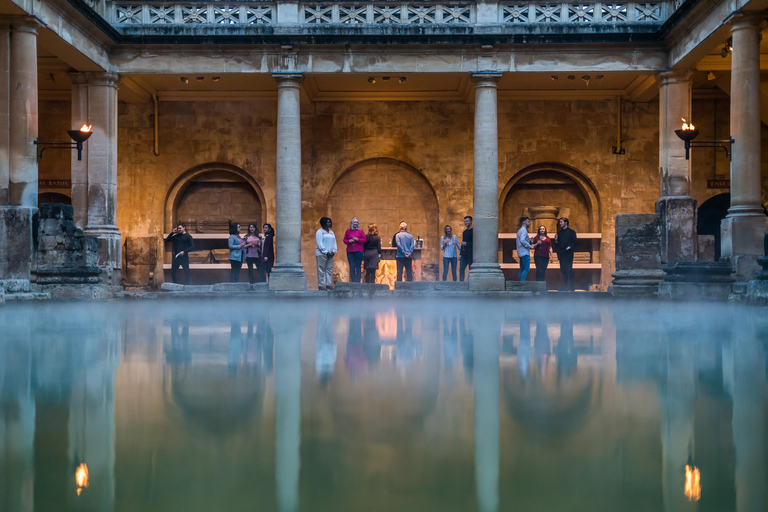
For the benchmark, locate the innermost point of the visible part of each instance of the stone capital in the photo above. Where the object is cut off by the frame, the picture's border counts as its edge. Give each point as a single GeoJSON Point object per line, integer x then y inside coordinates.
{"type": "Point", "coordinates": [486, 78]}
{"type": "Point", "coordinates": [746, 19]}
{"type": "Point", "coordinates": [674, 76]}
{"type": "Point", "coordinates": [28, 24]}
{"type": "Point", "coordinates": [95, 78]}
{"type": "Point", "coordinates": [288, 79]}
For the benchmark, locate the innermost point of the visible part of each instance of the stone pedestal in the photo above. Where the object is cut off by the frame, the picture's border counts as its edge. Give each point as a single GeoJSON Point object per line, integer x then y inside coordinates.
{"type": "Point", "coordinates": [485, 272]}
{"type": "Point", "coordinates": [742, 235]}
{"type": "Point", "coordinates": [697, 282]}
{"type": "Point", "coordinates": [678, 228]}
{"type": "Point", "coordinates": [16, 246]}
{"type": "Point", "coordinates": [638, 255]}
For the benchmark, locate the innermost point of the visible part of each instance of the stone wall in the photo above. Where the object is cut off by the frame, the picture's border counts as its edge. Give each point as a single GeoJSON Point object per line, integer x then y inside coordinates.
{"type": "Point", "coordinates": [56, 165]}
{"type": "Point", "coordinates": [432, 140]}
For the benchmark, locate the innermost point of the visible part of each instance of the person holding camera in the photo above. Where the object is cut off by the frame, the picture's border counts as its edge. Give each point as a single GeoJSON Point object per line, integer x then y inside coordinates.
{"type": "Point", "coordinates": [182, 246]}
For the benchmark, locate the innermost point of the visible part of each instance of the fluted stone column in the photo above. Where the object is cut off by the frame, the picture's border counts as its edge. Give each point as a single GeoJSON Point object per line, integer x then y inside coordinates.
{"type": "Point", "coordinates": [287, 329]}
{"type": "Point", "coordinates": [5, 93]}
{"type": "Point", "coordinates": [743, 229]}
{"type": "Point", "coordinates": [94, 178]}
{"type": "Point", "coordinates": [21, 168]}
{"type": "Point", "coordinates": [288, 273]}
{"type": "Point", "coordinates": [485, 273]}
{"type": "Point", "coordinates": [675, 205]}
{"type": "Point", "coordinates": [486, 389]}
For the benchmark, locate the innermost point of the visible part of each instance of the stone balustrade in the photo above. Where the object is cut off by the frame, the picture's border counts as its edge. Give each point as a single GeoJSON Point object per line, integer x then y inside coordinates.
{"type": "Point", "coordinates": [506, 16]}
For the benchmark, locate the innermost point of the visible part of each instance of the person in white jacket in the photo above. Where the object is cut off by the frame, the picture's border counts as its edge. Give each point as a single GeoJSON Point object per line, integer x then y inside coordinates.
{"type": "Point", "coordinates": [325, 251]}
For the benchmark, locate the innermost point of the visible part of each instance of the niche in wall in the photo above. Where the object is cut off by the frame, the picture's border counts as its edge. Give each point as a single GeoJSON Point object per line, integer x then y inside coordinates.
{"type": "Point", "coordinates": [211, 199]}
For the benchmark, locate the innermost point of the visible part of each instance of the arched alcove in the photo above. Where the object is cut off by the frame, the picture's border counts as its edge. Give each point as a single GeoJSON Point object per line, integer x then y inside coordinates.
{"type": "Point", "coordinates": [53, 197]}
{"type": "Point", "coordinates": [385, 191]}
{"type": "Point", "coordinates": [555, 185]}
{"type": "Point", "coordinates": [207, 196]}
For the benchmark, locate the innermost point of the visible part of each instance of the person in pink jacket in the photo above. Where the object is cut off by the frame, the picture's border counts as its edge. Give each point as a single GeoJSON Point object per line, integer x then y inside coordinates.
{"type": "Point", "coordinates": [354, 238]}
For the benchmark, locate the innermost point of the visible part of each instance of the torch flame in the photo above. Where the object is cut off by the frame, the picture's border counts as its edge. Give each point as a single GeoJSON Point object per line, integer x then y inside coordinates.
{"type": "Point", "coordinates": [687, 126]}
{"type": "Point", "coordinates": [81, 477]}
{"type": "Point", "coordinates": [86, 128]}
{"type": "Point", "coordinates": [692, 483]}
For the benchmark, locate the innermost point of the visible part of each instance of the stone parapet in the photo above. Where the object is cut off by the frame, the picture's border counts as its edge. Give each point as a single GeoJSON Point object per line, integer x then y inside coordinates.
{"type": "Point", "coordinates": [704, 281]}
{"type": "Point", "coordinates": [638, 255]}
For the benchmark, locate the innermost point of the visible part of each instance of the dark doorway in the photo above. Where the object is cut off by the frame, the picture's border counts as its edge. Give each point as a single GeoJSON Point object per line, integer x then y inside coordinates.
{"type": "Point", "coordinates": [53, 197]}
{"type": "Point", "coordinates": [711, 213]}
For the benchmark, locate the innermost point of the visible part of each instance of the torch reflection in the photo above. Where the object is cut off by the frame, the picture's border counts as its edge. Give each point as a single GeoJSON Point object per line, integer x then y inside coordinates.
{"type": "Point", "coordinates": [81, 477]}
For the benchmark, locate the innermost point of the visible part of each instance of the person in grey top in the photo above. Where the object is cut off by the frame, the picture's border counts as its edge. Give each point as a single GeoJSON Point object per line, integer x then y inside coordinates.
{"type": "Point", "coordinates": [405, 245]}
{"type": "Point", "coordinates": [524, 247]}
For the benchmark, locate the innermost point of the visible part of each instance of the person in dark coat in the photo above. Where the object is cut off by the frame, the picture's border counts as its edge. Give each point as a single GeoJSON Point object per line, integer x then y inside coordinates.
{"type": "Point", "coordinates": [267, 253]}
{"type": "Point", "coordinates": [183, 244]}
{"type": "Point", "coordinates": [566, 243]}
{"type": "Point", "coordinates": [466, 247]}
{"type": "Point", "coordinates": [371, 253]}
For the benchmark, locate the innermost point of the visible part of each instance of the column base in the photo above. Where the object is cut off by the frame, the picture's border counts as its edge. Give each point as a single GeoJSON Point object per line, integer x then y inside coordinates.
{"type": "Point", "coordinates": [16, 242]}
{"type": "Point", "coordinates": [678, 228]}
{"type": "Point", "coordinates": [110, 252]}
{"type": "Point", "coordinates": [287, 277]}
{"type": "Point", "coordinates": [743, 235]}
{"type": "Point", "coordinates": [486, 277]}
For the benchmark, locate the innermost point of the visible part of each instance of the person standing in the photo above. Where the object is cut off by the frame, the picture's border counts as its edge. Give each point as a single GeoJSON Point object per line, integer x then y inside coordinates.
{"type": "Point", "coordinates": [405, 245]}
{"type": "Point", "coordinates": [354, 238]}
{"type": "Point", "coordinates": [566, 243]}
{"type": "Point", "coordinates": [236, 252]}
{"type": "Point", "coordinates": [371, 253]}
{"type": "Point", "coordinates": [252, 251]}
{"type": "Point", "coordinates": [267, 253]}
{"type": "Point", "coordinates": [466, 247]}
{"type": "Point", "coordinates": [542, 253]}
{"type": "Point", "coordinates": [324, 252]}
{"type": "Point", "coordinates": [524, 248]}
{"type": "Point", "coordinates": [183, 244]}
{"type": "Point", "coordinates": [450, 245]}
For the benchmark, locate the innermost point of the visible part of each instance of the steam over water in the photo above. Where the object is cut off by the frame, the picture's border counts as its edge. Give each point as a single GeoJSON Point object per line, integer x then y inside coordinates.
{"type": "Point", "coordinates": [411, 405]}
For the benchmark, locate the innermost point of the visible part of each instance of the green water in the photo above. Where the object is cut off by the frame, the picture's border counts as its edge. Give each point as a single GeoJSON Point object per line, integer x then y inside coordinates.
{"type": "Point", "coordinates": [419, 406]}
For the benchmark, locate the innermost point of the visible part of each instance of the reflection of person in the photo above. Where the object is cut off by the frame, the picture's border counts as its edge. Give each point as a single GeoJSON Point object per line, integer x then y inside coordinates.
{"type": "Point", "coordinates": [566, 243]}
{"type": "Point", "coordinates": [466, 247]}
{"type": "Point", "coordinates": [236, 252]}
{"type": "Point", "coordinates": [325, 348]}
{"type": "Point", "coordinates": [371, 253]}
{"type": "Point", "coordinates": [405, 245]}
{"type": "Point", "coordinates": [267, 253]}
{"type": "Point", "coordinates": [354, 356]}
{"type": "Point", "coordinates": [542, 253]}
{"type": "Point", "coordinates": [524, 348]}
{"type": "Point", "coordinates": [566, 354]}
{"type": "Point", "coordinates": [371, 341]}
{"type": "Point", "coordinates": [179, 352]}
{"type": "Point", "coordinates": [183, 244]}
{"type": "Point", "coordinates": [325, 250]}
{"type": "Point", "coordinates": [354, 238]}
{"type": "Point", "coordinates": [523, 248]}
{"type": "Point", "coordinates": [252, 251]}
{"type": "Point", "coordinates": [449, 244]}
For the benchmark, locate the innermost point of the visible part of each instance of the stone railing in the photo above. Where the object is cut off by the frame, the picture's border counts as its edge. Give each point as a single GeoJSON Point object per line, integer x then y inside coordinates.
{"type": "Point", "coordinates": [414, 12]}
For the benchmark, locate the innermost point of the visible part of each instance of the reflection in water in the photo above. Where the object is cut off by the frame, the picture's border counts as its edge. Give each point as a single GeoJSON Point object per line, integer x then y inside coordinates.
{"type": "Point", "coordinates": [194, 406]}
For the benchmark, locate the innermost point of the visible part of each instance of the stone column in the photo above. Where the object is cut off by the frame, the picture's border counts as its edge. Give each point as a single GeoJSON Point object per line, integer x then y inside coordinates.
{"type": "Point", "coordinates": [287, 329]}
{"type": "Point", "coordinates": [675, 205]}
{"type": "Point", "coordinates": [94, 178]}
{"type": "Point", "coordinates": [23, 113]}
{"type": "Point", "coordinates": [486, 389]}
{"type": "Point", "coordinates": [5, 91]}
{"type": "Point", "coordinates": [288, 273]}
{"type": "Point", "coordinates": [743, 229]}
{"type": "Point", "coordinates": [16, 213]}
{"type": "Point", "coordinates": [485, 273]}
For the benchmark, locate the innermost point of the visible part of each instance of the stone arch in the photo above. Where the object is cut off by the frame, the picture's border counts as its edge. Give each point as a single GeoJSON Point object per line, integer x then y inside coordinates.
{"type": "Point", "coordinates": [564, 182]}
{"type": "Point", "coordinates": [386, 191]}
{"type": "Point", "coordinates": [214, 172]}
{"type": "Point", "coordinates": [53, 197]}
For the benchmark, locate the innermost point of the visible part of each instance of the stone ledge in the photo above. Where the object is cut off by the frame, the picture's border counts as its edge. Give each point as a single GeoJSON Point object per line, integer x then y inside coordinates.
{"type": "Point", "coordinates": [231, 287]}
{"type": "Point", "coordinates": [343, 289]}
{"type": "Point", "coordinates": [689, 291]}
{"type": "Point", "coordinates": [21, 297]}
{"type": "Point", "coordinates": [526, 286]}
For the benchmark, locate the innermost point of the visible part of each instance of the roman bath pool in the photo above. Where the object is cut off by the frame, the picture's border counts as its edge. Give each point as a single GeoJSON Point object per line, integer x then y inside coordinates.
{"type": "Point", "coordinates": [409, 405]}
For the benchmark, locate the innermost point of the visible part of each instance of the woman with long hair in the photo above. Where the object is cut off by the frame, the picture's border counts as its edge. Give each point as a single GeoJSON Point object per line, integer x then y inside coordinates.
{"type": "Point", "coordinates": [325, 250]}
{"type": "Point", "coordinates": [371, 253]}
{"type": "Point", "coordinates": [267, 253]}
{"type": "Point", "coordinates": [236, 252]}
{"type": "Point", "coordinates": [450, 246]}
{"type": "Point", "coordinates": [252, 251]}
{"type": "Point", "coordinates": [354, 238]}
{"type": "Point", "coordinates": [542, 252]}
